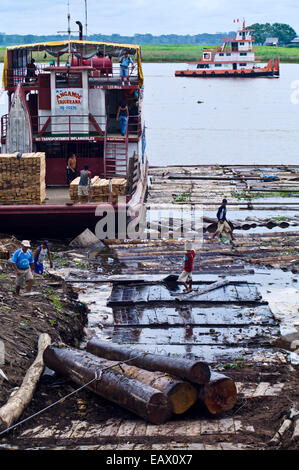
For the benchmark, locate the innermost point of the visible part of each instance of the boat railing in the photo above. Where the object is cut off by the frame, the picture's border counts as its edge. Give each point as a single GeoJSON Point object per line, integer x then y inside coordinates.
{"type": "Point", "coordinates": [135, 125]}
{"type": "Point", "coordinates": [76, 125]}
{"type": "Point", "coordinates": [25, 75]}
{"type": "Point", "coordinates": [101, 76]}
{"type": "Point", "coordinates": [68, 125]}
{"type": "Point", "coordinates": [113, 75]}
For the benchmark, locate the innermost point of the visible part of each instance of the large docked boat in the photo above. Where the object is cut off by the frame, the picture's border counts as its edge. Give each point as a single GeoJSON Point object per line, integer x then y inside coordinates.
{"type": "Point", "coordinates": [235, 58]}
{"type": "Point", "coordinates": [68, 105]}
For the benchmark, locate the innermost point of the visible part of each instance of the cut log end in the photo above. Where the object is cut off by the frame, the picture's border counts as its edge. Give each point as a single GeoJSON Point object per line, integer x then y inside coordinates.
{"type": "Point", "coordinates": [182, 397]}
{"type": "Point", "coordinates": [159, 408]}
{"type": "Point", "coordinates": [200, 373]}
{"type": "Point", "coordinates": [220, 395]}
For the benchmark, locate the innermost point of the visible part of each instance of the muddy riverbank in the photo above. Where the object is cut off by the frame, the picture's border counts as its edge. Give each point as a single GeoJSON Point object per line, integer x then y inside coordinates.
{"type": "Point", "coordinates": [50, 308]}
{"type": "Point", "coordinates": [266, 378]}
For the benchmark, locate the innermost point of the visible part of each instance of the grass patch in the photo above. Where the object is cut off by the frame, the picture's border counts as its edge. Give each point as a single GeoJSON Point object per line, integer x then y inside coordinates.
{"type": "Point", "coordinates": [189, 53]}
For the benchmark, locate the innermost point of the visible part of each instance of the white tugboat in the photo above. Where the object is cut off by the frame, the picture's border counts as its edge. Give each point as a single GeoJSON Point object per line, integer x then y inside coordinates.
{"type": "Point", "coordinates": [235, 58]}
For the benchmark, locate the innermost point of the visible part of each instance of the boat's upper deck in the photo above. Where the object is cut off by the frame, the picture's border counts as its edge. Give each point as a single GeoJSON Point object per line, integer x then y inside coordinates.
{"type": "Point", "coordinates": [23, 64]}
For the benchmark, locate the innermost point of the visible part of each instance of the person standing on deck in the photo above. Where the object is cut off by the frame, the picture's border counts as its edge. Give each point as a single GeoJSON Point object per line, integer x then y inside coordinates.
{"type": "Point", "coordinates": [23, 264]}
{"type": "Point", "coordinates": [125, 62]}
{"type": "Point", "coordinates": [83, 188]}
{"type": "Point", "coordinates": [223, 225]}
{"type": "Point", "coordinates": [122, 116]}
{"type": "Point", "coordinates": [39, 256]}
{"type": "Point", "coordinates": [71, 169]}
{"type": "Point", "coordinates": [186, 275]}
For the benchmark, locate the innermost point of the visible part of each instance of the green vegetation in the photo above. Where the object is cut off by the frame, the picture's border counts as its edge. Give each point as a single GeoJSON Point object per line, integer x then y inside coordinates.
{"type": "Point", "coordinates": [192, 53]}
{"type": "Point", "coordinates": [184, 197]}
{"type": "Point", "coordinates": [249, 196]}
{"type": "Point", "coordinates": [284, 32]}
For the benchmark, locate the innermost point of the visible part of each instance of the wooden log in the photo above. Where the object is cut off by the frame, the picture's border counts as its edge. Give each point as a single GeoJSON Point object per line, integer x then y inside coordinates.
{"type": "Point", "coordinates": [219, 394]}
{"type": "Point", "coordinates": [193, 371]}
{"type": "Point", "coordinates": [12, 410]}
{"type": "Point", "coordinates": [81, 367]}
{"type": "Point", "coordinates": [182, 395]}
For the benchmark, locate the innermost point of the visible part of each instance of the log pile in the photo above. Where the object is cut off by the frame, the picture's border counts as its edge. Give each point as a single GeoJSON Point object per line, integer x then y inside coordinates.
{"type": "Point", "coordinates": [152, 386]}
{"type": "Point", "coordinates": [22, 180]}
{"type": "Point", "coordinates": [100, 189]}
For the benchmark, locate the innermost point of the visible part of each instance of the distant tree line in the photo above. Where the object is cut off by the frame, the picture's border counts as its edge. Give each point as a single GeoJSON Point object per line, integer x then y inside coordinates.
{"type": "Point", "coordinates": [205, 38]}
{"type": "Point", "coordinates": [284, 32]}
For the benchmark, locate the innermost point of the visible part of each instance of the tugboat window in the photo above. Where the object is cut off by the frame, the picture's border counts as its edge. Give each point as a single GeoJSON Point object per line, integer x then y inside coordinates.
{"type": "Point", "coordinates": [68, 80]}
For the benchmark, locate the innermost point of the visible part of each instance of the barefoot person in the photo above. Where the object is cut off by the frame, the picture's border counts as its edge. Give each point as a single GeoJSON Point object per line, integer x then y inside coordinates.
{"type": "Point", "coordinates": [223, 225]}
{"type": "Point", "coordinates": [186, 275]}
{"type": "Point", "coordinates": [23, 263]}
{"type": "Point", "coordinates": [40, 254]}
{"type": "Point", "coordinates": [71, 169]}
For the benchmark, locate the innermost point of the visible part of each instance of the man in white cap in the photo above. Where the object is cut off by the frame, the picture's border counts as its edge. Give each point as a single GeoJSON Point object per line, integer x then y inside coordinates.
{"type": "Point", "coordinates": [186, 275]}
{"type": "Point", "coordinates": [23, 262]}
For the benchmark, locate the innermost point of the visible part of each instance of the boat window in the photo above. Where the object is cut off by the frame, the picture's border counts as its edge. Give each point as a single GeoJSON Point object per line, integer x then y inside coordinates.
{"type": "Point", "coordinates": [68, 80]}
{"type": "Point", "coordinates": [228, 53]}
{"type": "Point", "coordinates": [241, 43]}
{"type": "Point", "coordinates": [243, 53]}
{"type": "Point", "coordinates": [206, 55]}
{"type": "Point", "coordinates": [243, 65]}
{"type": "Point", "coordinates": [218, 65]}
{"type": "Point", "coordinates": [221, 53]}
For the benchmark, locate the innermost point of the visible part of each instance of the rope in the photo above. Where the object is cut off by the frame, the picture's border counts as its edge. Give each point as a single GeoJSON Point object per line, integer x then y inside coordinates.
{"type": "Point", "coordinates": [98, 376]}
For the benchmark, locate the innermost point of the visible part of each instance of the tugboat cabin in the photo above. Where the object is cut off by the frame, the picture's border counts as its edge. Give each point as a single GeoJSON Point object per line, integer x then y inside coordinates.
{"type": "Point", "coordinates": [68, 105]}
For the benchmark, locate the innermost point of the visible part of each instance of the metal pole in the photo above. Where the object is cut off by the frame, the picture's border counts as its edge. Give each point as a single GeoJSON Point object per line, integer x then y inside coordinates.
{"type": "Point", "coordinates": [85, 19]}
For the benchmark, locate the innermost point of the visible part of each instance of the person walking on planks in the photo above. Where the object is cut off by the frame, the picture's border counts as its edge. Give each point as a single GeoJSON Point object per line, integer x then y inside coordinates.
{"type": "Point", "coordinates": [23, 263]}
{"type": "Point", "coordinates": [186, 275]}
{"type": "Point", "coordinates": [40, 254]}
{"type": "Point", "coordinates": [223, 225]}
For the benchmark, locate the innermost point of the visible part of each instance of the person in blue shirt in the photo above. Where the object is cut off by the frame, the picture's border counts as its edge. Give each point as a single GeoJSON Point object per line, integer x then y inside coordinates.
{"type": "Point", "coordinates": [125, 61]}
{"type": "Point", "coordinates": [223, 225]}
{"type": "Point", "coordinates": [40, 254]}
{"type": "Point", "coordinates": [23, 263]}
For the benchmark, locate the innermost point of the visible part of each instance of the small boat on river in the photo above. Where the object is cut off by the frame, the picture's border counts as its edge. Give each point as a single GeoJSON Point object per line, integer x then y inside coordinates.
{"type": "Point", "coordinates": [235, 58]}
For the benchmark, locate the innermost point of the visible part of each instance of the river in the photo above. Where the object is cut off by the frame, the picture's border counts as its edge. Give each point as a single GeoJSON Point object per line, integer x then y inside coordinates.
{"type": "Point", "coordinates": [237, 120]}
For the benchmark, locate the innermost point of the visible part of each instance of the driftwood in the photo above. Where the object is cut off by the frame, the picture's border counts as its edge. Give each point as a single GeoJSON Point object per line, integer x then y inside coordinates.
{"type": "Point", "coordinates": [219, 394]}
{"type": "Point", "coordinates": [193, 371]}
{"type": "Point", "coordinates": [12, 410]}
{"type": "Point", "coordinates": [81, 367]}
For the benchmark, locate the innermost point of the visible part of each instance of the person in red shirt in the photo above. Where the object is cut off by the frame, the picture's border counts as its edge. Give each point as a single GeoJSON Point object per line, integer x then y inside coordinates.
{"type": "Point", "coordinates": [186, 275]}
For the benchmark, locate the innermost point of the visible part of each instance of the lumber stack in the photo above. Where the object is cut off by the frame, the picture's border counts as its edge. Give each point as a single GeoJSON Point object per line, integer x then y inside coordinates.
{"type": "Point", "coordinates": [22, 180]}
{"type": "Point", "coordinates": [150, 385]}
{"type": "Point", "coordinates": [100, 189]}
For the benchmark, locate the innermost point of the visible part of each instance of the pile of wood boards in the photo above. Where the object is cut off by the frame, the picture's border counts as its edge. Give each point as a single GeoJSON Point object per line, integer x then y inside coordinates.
{"type": "Point", "coordinates": [152, 386]}
{"type": "Point", "coordinates": [23, 178]}
{"type": "Point", "coordinates": [100, 189]}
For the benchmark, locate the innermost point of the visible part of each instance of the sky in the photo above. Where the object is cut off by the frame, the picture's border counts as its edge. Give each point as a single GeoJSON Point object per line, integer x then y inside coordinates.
{"type": "Point", "coordinates": [127, 17]}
